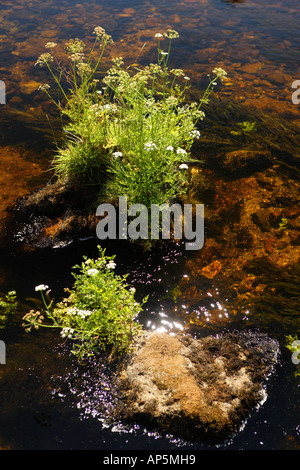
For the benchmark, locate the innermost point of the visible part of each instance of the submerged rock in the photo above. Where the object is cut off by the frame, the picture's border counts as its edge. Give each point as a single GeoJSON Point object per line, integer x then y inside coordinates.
{"type": "Point", "coordinates": [53, 215]}
{"type": "Point", "coordinates": [196, 388]}
{"type": "Point", "coordinates": [240, 163]}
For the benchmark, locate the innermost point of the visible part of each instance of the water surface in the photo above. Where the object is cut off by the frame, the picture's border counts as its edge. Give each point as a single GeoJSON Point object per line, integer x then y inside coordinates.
{"type": "Point", "coordinates": [56, 404]}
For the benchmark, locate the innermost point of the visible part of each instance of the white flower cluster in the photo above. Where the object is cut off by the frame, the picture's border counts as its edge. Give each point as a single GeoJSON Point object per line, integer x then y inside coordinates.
{"type": "Point", "coordinates": [183, 166]}
{"type": "Point", "coordinates": [195, 134]}
{"type": "Point", "coordinates": [181, 151]}
{"type": "Point", "coordinates": [41, 287]}
{"type": "Point", "coordinates": [150, 146]}
{"type": "Point", "coordinates": [110, 108]}
{"type": "Point", "coordinates": [92, 272]}
{"type": "Point", "coordinates": [220, 73]}
{"type": "Point", "coordinates": [50, 45]}
{"type": "Point", "coordinates": [44, 87]}
{"type": "Point", "coordinates": [111, 265]}
{"type": "Point", "coordinates": [117, 154]}
{"type": "Point", "coordinates": [79, 312]}
{"type": "Point", "coordinates": [67, 332]}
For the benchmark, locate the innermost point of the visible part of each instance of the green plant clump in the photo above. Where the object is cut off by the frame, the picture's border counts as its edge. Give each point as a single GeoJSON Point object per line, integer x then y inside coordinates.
{"type": "Point", "coordinates": [8, 305]}
{"type": "Point", "coordinates": [130, 133]}
{"type": "Point", "coordinates": [99, 313]}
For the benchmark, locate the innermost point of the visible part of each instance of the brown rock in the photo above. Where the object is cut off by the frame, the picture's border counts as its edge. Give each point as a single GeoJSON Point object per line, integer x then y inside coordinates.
{"type": "Point", "coordinates": [212, 269]}
{"type": "Point", "coordinates": [241, 163]}
{"type": "Point", "coordinates": [195, 388]}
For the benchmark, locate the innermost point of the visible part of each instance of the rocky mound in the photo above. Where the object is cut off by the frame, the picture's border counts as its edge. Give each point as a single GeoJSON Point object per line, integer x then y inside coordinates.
{"type": "Point", "coordinates": [196, 388]}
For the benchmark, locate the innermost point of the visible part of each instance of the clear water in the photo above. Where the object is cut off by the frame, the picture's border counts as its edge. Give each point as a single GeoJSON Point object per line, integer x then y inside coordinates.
{"type": "Point", "coordinates": [46, 401]}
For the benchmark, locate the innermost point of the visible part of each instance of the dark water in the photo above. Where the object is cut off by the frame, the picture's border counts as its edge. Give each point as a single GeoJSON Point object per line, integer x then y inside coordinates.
{"type": "Point", "coordinates": [48, 402]}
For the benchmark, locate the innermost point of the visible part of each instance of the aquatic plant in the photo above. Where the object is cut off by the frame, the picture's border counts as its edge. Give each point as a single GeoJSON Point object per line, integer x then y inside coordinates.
{"type": "Point", "coordinates": [283, 224]}
{"type": "Point", "coordinates": [8, 305]}
{"type": "Point", "coordinates": [278, 303]}
{"type": "Point", "coordinates": [99, 314]}
{"type": "Point", "coordinates": [130, 133]}
{"type": "Point", "coordinates": [244, 128]}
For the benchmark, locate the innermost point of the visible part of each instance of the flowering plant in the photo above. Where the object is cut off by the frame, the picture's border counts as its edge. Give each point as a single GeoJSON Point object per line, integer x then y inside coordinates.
{"type": "Point", "coordinates": [131, 131]}
{"type": "Point", "coordinates": [99, 313]}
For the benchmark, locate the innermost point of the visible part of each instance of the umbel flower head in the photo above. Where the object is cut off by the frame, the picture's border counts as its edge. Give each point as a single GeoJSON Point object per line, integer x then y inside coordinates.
{"type": "Point", "coordinates": [41, 287]}
{"type": "Point", "coordinates": [44, 59]}
{"type": "Point", "coordinates": [50, 45]}
{"type": "Point", "coordinates": [171, 34]}
{"type": "Point", "coordinates": [220, 73]}
{"type": "Point", "coordinates": [101, 35]}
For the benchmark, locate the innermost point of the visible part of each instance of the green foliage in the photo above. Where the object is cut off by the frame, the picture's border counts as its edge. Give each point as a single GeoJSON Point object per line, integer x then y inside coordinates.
{"type": "Point", "coordinates": [99, 313]}
{"type": "Point", "coordinates": [8, 305]}
{"type": "Point", "coordinates": [245, 128]}
{"type": "Point", "coordinates": [293, 345]}
{"type": "Point", "coordinates": [283, 224]}
{"type": "Point", "coordinates": [133, 131]}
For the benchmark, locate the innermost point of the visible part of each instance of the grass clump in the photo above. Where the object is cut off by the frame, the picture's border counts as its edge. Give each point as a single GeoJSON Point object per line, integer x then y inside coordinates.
{"type": "Point", "coordinates": [99, 315]}
{"type": "Point", "coordinates": [131, 132]}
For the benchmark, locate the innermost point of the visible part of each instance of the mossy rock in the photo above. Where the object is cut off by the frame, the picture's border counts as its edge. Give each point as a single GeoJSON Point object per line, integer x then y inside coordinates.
{"type": "Point", "coordinates": [196, 388]}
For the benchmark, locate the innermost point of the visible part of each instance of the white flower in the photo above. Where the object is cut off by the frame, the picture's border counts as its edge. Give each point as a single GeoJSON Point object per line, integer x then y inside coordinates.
{"type": "Point", "coordinates": [159, 35]}
{"type": "Point", "coordinates": [181, 151]}
{"type": "Point", "coordinates": [92, 272]}
{"type": "Point", "coordinates": [220, 73]}
{"type": "Point", "coordinates": [150, 146]}
{"type": "Point", "coordinates": [109, 108]}
{"type": "Point", "coordinates": [117, 154]}
{"type": "Point", "coordinates": [170, 148]}
{"type": "Point", "coordinates": [41, 287]}
{"type": "Point", "coordinates": [183, 166]}
{"type": "Point", "coordinates": [44, 87]}
{"type": "Point", "coordinates": [195, 134]}
{"type": "Point", "coordinates": [111, 265]}
{"type": "Point", "coordinates": [50, 45]}
{"type": "Point", "coordinates": [81, 313]}
{"type": "Point", "coordinates": [186, 78]}
{"type": "Point", "coordinates": [132, 289]}
{"type": "Point", "coordinates": [163, 53]}
{"type": "Point", "coordinates": [171, 34]}
{"type": "Point", "coordinates": [67, 332]}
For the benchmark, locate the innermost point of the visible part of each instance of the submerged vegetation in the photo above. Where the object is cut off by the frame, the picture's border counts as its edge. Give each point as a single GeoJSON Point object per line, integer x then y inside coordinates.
{"type": "Point", "coordinates": [278, 304]}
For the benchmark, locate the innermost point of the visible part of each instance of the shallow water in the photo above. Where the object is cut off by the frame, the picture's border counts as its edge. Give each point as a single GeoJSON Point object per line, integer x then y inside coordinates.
{"type": "Point", "coordinates": [57, 405]}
